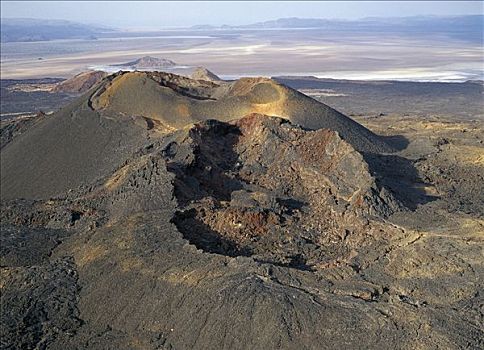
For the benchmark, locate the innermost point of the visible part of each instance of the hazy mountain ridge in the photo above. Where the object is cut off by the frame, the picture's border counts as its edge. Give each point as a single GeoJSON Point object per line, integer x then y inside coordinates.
{"type": "Point", "coordinates": [28, 29]}
{"type": "Point", "coordinates": [468, 27]}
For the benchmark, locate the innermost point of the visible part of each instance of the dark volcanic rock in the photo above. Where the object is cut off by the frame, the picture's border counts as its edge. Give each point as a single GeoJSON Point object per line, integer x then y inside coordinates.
{"type": "Point", "coordinates": [93, 135]}
{"type": "Point", "coordinates": [39, 304]}
{"type": "Point", "coordinates": [23, 246]}
{"type": "Point", "coordinates": [249, 234]}
{"type": "Point", "coordinates": [12, 128]}
{"type": "Point", "coordinates": [247, 187]}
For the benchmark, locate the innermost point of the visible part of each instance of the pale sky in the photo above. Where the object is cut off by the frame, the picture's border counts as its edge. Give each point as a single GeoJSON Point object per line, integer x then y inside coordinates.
{"type": "Point", "coordinates": [138, 14]}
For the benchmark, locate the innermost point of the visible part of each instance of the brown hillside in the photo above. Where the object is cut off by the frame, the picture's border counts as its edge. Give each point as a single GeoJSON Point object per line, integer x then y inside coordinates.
{"type": "Point", "coordinates": [80, 83]}
{"type": "Point", "coordinates": [178, 101]}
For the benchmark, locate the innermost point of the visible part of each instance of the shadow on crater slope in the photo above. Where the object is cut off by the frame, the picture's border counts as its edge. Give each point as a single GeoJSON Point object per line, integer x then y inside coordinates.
{"type": "Point", "coordinates": [399, 175]}
{"type": "Point", "coordinates": [264, 188]}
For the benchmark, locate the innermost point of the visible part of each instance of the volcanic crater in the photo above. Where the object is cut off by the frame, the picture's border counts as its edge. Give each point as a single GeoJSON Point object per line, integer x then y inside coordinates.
{"type": "Point", "coordinates": [262, 187]}
{"type": "Point", "coordinates": [161, 212]}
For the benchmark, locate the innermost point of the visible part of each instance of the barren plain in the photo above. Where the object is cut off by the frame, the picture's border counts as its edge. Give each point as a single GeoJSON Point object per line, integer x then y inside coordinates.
{"type": "Point", "coordinates": [233, 53]}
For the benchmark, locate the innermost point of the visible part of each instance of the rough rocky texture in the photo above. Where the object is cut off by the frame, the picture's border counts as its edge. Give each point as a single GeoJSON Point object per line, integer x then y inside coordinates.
{"type": "Point", "coordinates": [39, 304]}
{"type": "Point", "coordinates": [246, 188]}
{"type": "Point", "coordinates": [249, 234]}
{"type": "Point", "coordinates": [25, 246]}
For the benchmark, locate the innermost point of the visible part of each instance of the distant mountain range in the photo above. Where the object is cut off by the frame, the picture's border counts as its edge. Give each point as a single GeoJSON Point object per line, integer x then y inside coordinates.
{"type": "Point", "coordinates": [468, 28]}
{"type": "Point", "coordinates": [465, 27]}
{"type": "Point", "coordinates": [28, 29]}
{"type": "Point", "coordinates": [435, 22]}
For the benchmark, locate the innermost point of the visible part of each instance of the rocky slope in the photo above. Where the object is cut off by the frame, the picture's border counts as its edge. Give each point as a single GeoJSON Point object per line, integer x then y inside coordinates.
{"type": "Point", "coordinates": [253, 189]}
{"type": "Point", "coordinates": [238, 233]}
{"type": "Point", "coordinates": [91, 136]}
{"type": "Point", "coordinates": [247, 187]}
